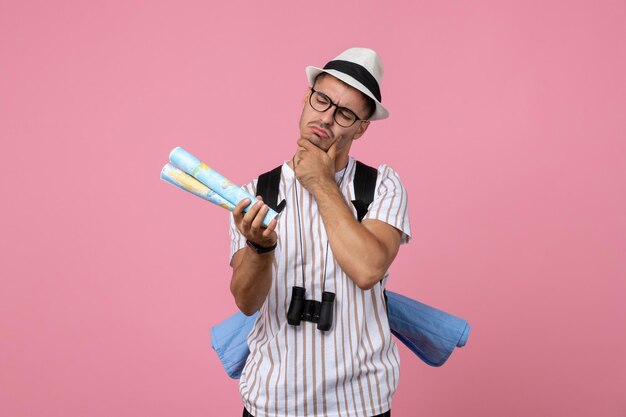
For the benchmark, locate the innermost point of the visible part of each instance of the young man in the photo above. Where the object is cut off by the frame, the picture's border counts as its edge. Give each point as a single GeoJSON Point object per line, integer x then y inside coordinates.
{"type": "Point", "coordinates": [350, 365]}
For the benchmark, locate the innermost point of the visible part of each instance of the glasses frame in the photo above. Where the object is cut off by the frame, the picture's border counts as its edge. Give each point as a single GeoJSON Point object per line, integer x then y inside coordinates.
{"type": "Point", "coordinates": [331, 104]}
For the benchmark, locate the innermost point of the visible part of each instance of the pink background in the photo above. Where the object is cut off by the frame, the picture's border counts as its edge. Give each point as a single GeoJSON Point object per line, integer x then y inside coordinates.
{"type": "Point", "coordinates": [507, 126]}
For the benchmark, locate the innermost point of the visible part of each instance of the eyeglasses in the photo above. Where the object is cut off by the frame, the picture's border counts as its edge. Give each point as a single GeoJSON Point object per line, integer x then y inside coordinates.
{"type": "Point", "coordinates": [343, 116]}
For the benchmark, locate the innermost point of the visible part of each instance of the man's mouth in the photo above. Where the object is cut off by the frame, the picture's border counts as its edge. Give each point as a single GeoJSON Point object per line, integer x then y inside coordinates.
{"type": "Point", "coordinates": [320, 132]}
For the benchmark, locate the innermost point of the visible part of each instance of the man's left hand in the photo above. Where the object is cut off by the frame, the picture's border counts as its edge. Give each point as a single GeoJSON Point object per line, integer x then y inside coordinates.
{"type": "Point", "coordinates": [314, 167]}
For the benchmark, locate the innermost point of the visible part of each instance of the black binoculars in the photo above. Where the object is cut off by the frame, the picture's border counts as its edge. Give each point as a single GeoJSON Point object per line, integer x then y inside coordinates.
{"type": "Point", "coordinates": [311, 310]}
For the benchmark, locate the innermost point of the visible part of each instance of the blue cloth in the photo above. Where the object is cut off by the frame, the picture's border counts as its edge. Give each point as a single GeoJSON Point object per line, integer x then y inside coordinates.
{"type": "Point", "coordinates": [430, 333]}
{"type": "Point", "coordinates": [229, 339]}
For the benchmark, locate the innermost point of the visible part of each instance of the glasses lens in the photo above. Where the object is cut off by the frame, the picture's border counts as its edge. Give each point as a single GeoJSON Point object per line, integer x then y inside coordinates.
{"type": "Point", "coordinates": [345, 117]}
{"type": "Point", "coordinates": [319, 101]}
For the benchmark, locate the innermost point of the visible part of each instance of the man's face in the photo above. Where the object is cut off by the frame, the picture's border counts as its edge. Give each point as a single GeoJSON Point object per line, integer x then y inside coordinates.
{"type": "Point", "coordinates": [320, 128]}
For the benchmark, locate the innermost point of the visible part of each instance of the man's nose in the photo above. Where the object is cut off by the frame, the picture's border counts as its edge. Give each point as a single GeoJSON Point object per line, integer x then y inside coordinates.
{"type": "Point", "coordinates": [328, 116]}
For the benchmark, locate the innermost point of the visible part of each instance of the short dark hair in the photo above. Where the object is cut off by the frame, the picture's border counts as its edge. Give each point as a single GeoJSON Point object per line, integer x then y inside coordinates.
{"type": "Point", "coordinates": [370, 104]}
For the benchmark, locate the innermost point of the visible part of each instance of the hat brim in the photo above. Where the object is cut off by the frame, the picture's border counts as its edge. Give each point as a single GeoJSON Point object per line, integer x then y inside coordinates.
{"type": "Point", "coordinates": [379, 113]}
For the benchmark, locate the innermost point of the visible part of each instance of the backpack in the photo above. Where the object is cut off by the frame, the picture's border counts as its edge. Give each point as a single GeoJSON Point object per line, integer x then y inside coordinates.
{"type": "Point", "coordinates": [428, 332]}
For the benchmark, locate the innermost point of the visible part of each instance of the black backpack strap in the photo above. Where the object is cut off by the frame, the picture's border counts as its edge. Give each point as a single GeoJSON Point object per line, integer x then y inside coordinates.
{"type": "Point", "coordinates": [364, 186]}
{"type": "Point", "coordinates": [268, 186]}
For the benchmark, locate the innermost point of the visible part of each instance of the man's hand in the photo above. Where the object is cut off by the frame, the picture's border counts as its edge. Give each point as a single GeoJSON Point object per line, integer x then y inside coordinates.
{"type": "Point", "coordinates": [314, 167]}
{"type": "Point", "coordinates": [250, 224]}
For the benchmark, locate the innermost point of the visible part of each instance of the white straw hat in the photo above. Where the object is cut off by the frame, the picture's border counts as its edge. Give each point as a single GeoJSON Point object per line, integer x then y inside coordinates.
{"type": "Point", "coordinates": [360, 68]}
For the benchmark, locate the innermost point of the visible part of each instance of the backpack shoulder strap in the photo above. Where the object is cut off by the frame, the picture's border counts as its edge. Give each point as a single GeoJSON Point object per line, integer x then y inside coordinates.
{"type": "Point", "coordinates": [364, 186]}
{"type": "Point", "coordinates": [267, 187]}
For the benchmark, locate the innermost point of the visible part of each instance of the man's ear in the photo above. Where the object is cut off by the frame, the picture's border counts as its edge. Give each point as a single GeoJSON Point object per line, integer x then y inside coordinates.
{"type": "Point", "coordinates": [305, 99]}
{"type": "Point", "coordinates": [362, 128]}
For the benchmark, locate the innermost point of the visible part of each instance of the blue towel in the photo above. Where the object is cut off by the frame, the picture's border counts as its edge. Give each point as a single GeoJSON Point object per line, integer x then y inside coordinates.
{"type": "Point", "coordinates": [430, 333]}
{"type": "Point", "coordinates": [229, 339]}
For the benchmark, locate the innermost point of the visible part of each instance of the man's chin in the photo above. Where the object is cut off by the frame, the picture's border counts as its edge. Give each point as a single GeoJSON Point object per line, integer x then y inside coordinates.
{"type": "Point", "coordinates": [320, 143]}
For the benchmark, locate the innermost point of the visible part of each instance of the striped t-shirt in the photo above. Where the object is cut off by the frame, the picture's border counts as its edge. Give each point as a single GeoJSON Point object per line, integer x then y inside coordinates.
{"type": "Point", "coordinates": [350, 370]}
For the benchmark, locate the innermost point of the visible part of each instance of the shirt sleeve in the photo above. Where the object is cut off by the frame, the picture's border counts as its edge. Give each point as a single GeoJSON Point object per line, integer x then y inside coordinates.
{"type": "Point", "coordinates": [237, 240]}
{"type": "Point", "coordinates": [390, 204]}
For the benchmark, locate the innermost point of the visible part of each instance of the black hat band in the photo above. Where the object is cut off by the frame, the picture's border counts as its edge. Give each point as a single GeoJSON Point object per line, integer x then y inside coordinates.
{"type": "Point", "coordinates": [359, 73]}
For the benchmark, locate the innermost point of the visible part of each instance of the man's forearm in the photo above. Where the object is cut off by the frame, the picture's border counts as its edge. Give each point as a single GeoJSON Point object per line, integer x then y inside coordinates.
{"type": "Point", "coordinates": [358, 251]}
{"type": "Point", "coordinates": [251, 279]}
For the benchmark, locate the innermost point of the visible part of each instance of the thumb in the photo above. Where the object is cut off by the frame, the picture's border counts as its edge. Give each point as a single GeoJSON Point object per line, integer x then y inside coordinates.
{"type": "Point", "coordinates": [332, 151]}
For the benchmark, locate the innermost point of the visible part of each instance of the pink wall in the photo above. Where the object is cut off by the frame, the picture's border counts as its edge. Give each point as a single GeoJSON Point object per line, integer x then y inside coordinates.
{"type": "Point", "coordinates": [508, 129]}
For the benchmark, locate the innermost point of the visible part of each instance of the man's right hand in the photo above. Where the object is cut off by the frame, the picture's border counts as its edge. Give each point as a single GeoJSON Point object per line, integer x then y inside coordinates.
{"type": "Point", "coordinates": [252, 274]}
{"type": "Point", "coordinates": [250, 224]}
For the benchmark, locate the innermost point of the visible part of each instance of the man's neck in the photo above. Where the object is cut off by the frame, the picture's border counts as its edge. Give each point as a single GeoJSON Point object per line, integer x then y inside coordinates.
{"type": "Point", "coordinates": [341, 163]}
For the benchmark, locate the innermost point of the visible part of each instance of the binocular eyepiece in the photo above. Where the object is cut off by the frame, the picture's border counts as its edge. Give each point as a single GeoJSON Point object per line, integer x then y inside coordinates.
{"type": "Point", "coordinates": [311, 310]}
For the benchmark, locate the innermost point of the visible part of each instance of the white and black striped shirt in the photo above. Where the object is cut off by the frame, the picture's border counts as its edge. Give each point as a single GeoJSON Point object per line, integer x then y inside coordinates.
{"type": "Point", "coordinates": [350, 370]}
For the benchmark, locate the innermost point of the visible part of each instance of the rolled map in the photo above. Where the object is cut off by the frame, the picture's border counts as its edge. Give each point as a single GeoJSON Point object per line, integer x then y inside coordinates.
{"type": "Point", "coordinates": [186, 182]}
{"type": "Point", "coordinates": [214, 180]}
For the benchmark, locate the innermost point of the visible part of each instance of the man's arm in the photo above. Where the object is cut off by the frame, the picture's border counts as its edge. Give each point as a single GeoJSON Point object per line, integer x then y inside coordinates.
{"type": "Point", "coordinates": [252, 271]}
{"type": "Point", "coordinates": [363, 250]}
